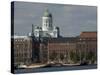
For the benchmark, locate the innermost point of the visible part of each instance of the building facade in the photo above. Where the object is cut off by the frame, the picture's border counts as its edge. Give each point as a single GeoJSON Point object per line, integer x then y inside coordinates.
{"type": "Point", "coordinates": [70, 49]}
{"type": "Point", "coordinates": [22, 50]}
{"type": "Point", "coordinates": [59, 49]}
{"type": "Point", "coordinates": [87, 46]}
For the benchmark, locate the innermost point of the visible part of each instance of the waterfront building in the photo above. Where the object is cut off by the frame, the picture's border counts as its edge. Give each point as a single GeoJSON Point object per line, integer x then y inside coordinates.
{"type": "Point", "coordinates": [87, 46]}
{"type": "Point", "coordinates": [70, 49]}
{"type": "Point", "coordinates": [22, 50]}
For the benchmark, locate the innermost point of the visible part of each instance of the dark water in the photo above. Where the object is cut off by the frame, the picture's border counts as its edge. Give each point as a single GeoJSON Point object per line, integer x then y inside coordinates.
{"type": "Point", "coordinates": [51, 69]}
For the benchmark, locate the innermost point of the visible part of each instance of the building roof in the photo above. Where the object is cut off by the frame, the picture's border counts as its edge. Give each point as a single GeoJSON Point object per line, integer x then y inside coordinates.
{"type": "Point", "coordinates": [20, 37]}
{"type": "Point", "coordinates": [88, 35]}
{"type": "Point", "coordinates": [62, 40]}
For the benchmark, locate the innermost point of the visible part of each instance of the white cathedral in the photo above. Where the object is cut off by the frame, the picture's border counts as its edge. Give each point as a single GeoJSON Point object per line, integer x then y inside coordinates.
{"type": "Point", "coordinates": [47, 29]}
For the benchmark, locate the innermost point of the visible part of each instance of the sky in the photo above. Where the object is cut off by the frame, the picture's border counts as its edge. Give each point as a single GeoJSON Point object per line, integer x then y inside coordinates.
{"type": "Point", "coordinates": [71, 19]}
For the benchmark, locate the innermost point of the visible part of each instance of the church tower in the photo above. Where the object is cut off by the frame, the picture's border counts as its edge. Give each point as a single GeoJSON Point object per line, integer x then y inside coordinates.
{"type": "Point", "coordinates": [47, 21]}
{"type": "Point", "coordinates": [47, 29]}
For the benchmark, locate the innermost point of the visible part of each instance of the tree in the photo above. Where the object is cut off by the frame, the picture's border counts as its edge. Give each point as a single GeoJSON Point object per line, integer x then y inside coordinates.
{"type": "Point", "coordinates": [53, 56]}
{"type": "Point", "coordinates": [75, 56]}
{"type": "Point", "coordinates": [91, 56]}
{"type": "Point", "coordinates": [61, 56]}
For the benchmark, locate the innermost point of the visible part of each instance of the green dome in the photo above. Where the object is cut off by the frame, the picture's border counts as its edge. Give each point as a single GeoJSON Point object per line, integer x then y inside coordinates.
{"type": "Point", "coordinates": [47, 14]}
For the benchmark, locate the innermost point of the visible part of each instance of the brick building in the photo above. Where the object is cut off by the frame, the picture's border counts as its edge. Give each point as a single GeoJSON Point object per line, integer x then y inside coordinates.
{"type": "Point", "coordinates": [29, 50]}
{"type": "Point", "coordinates": [61, 48]}
{"type": "Point", "coordinates": [87, 45]}
{"type": "Point", "coordinates": [70, 49]}
{"type": "Point", "coordinates": [22, 50]}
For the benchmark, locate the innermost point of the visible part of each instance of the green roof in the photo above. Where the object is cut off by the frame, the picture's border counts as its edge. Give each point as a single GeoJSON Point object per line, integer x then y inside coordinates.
{"type": "Point", "coordinates": [47, 14]}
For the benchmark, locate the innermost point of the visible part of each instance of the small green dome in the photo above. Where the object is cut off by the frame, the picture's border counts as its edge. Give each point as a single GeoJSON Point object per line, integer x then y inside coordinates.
{"type": "Point", "coordinates": [47, 14]}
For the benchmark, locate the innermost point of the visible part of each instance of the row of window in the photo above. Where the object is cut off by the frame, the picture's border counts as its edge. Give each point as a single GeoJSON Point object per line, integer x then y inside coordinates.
{"type": "Point", "coordinates": [21, 55]}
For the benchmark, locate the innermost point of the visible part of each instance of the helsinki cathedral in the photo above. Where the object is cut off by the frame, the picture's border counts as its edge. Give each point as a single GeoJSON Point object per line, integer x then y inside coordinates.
{"type": "Point", "coordinates": [47, 29]}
